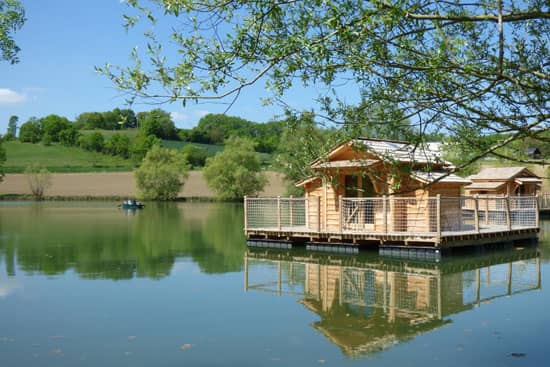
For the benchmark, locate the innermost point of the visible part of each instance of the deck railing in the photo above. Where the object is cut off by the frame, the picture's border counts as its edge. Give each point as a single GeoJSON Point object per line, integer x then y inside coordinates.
{"type": "Point", "coordinates": [544, 201]}
{"type": "Point", "coordinates": [435, 216]}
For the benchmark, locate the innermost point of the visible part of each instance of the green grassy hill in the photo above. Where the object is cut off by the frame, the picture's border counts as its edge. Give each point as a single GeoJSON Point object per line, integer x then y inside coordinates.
{"type": "Point", "coordinates": [58, 158]}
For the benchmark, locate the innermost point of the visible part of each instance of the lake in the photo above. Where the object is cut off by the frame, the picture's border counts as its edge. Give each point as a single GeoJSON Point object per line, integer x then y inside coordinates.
{"type": "Point", "coordinates": [88, 284]}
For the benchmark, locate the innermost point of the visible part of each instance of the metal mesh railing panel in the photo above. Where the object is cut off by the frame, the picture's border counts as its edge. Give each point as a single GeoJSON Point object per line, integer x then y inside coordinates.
{"type": "Point", "coordinates": [275, 212]}
{"type": "Point", "coordinates": [399, 215]}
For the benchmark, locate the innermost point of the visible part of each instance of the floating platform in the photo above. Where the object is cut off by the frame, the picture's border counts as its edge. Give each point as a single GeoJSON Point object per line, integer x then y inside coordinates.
{"type": "Point", "coordinates": [420, 227]}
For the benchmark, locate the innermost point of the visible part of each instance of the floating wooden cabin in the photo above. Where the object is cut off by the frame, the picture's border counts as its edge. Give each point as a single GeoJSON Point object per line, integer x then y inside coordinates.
{"type": "Point", "coordinates": [500, 181]}
{"type": "Point", "coordinates": [388, 193]}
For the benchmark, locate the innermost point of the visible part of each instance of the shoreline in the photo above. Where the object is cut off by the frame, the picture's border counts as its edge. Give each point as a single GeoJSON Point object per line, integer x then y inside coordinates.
{"type": "Point", "coordinates": [114, 186]}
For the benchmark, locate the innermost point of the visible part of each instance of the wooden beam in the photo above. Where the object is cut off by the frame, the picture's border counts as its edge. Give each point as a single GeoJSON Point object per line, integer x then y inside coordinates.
{"type": "Point", "coordinates": [508, 213]}
{"type": "Point", "coordinates": [476, 213]}
{"type": "Point", "coordinates": [438, 214]}
{"type": "Point", "coordinates": [291, 211]}
{"type": "Point", "coordinates": [318, 214]}
{"type": "Point", "coordinates": [245, 213]}
{"type": "Point", "coordinates": [341, 209]}
{"type": "Point", "coordinates": [385, 208]}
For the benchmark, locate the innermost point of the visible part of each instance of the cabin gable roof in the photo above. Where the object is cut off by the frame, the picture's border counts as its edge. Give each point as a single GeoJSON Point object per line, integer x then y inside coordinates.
{"type": "Point", "coordinates": [502, 174]}
{"type": "Point", "coordinates": [362, 149]}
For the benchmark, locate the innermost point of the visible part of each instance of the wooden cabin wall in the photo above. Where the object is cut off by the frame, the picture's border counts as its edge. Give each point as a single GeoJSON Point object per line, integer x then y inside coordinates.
{"type": "Point", "coordinates": [450, 207]}
{"type": "Point", "coordinates": [316, 204]}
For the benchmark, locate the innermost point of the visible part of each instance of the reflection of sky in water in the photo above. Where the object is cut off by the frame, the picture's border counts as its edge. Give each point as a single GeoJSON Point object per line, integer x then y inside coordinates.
{"type": "Point", "coordinates": [8, 286]}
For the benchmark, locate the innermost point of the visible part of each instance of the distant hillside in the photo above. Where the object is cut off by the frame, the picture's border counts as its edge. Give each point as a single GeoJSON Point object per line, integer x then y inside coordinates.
{"type": "Point", "coordinates": [58, 158]}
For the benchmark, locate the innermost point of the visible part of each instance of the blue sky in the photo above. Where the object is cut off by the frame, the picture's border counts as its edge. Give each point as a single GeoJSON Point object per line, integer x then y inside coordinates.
{"type": "Point", "coordinates": [63, 40]}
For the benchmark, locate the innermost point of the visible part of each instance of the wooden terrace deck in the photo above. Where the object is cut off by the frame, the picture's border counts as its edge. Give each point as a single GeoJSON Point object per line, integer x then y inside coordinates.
{"type": "Point", "coordinates": [466, 222]}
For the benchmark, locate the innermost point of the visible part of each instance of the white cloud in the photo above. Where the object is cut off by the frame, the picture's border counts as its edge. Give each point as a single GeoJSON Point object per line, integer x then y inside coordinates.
{"type": "Point", "coordinates": [187, 119]}
{"type": "Point", "coordinates": [8, 96]}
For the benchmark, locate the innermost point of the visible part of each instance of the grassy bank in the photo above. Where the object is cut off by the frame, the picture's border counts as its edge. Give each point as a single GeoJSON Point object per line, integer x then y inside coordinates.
{"type": "Point", "coordinates": [59, 158]}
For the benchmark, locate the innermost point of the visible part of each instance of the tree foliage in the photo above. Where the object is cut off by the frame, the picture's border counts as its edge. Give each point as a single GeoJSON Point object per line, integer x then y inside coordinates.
{"type": "Point", "coordinates": [118, 144]}
{"type": "Point", "coordinates": [31, 131]}
{"type": "Point", "coordinates": [11, 133]}
{"type": "Point", "coordinates": [161, 174]}
{"type": "Point", "coordinates": [447, 65]}
{"type": "Point", "coordinates": [302, 142]}
{"type": "Point", "coordinates": [158, 123]}
{"type": "Point", "coordinates": [216, 128]}
{"type": "Point", "coordinates": [235, 171]}
{"type": "Point", "coordinates": [12, 18]}
{"type": "Point", "coordinates": [93, 141]}
{"type": "Point", "coordinates": [39, 180]}
{"type": "Point", "coordinates": [52, 125]}
{"type": "Point", "coordinates": [141, 145]}
{"type": "Point", "coordinates": [195, 155]}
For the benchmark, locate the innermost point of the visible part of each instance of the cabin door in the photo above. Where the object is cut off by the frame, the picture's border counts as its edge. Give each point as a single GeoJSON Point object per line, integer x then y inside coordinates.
{"type": "Point", "coordinates": [360, 213]}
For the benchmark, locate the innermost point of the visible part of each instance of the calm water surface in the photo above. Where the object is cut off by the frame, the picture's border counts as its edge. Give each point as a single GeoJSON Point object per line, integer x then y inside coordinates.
{"type": "Point", "coordinates": [87, 284]}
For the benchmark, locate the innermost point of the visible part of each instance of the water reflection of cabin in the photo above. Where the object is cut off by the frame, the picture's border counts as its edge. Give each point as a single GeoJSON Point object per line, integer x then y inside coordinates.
{"type": "Point", "coordinates": [367, 304]}
{"type": "Point", "coordinates": [390, 193]}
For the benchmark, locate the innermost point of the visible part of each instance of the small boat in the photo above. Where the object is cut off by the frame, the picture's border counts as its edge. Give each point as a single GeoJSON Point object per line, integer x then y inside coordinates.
{"type": "Point", "coordinates": [131, 204]}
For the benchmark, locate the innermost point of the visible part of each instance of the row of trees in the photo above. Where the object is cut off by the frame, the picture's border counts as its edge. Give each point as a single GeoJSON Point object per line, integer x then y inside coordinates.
{"type": "Point", "coordinates": [231, 173]}
{"type": "Point", "coordinates": [217, 128]}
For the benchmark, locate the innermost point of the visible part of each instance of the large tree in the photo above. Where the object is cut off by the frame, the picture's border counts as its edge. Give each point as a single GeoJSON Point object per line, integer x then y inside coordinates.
{"type": "Point", "coordinates": [12, 128]}
{"type": "Point", "coordinates": [469, 69]}
{"type": "Point", "coordinates": [12, 18]}
{"type": "Point", "coordinates": [235, 171]}
{"type": "Point", "coordinates": [161, 174]}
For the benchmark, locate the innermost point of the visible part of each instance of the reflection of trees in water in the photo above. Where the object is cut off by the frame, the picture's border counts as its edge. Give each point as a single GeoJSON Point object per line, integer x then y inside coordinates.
{"type": "Point", "coordinates": [368, 303]}
{"type": "Point", "coordinates": [544, 237]}
{"type": "Point", "coordinates": [102, 241]}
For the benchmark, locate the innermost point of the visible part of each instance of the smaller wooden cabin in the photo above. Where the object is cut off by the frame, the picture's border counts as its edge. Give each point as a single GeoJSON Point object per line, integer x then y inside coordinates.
{"type": "Point", "coordinates": [358, 174]}
{"type": "Point", "coordinates": [504, 181]}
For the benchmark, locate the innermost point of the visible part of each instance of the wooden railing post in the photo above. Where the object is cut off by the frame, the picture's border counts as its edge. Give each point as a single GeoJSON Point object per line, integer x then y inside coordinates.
{"type": "Point", "coordinates": [246, 213]}
{"type": "Point", "coordinates": [385, 209]}
{"type": "Point", "coordinates": [318, 214]}
{"type": "Point", "coordinates": [476, 213]}
{"type": "Point", "coordinates": [438, 213]}
{"type": "Point", "coordinates": [341, 208]}
{"type": "Point", "coordinates": [508, 213]}
{"type": "Point", "coordinates": [537, 211]}
{"type": "Point", "coordinates": [306, 210]}
{"type": "Point", "coordinates": [279, 212]}
{"type": "Point", "coordinates": [291, 211]}
{"type": "Point", "coordinates": [486, 210]}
